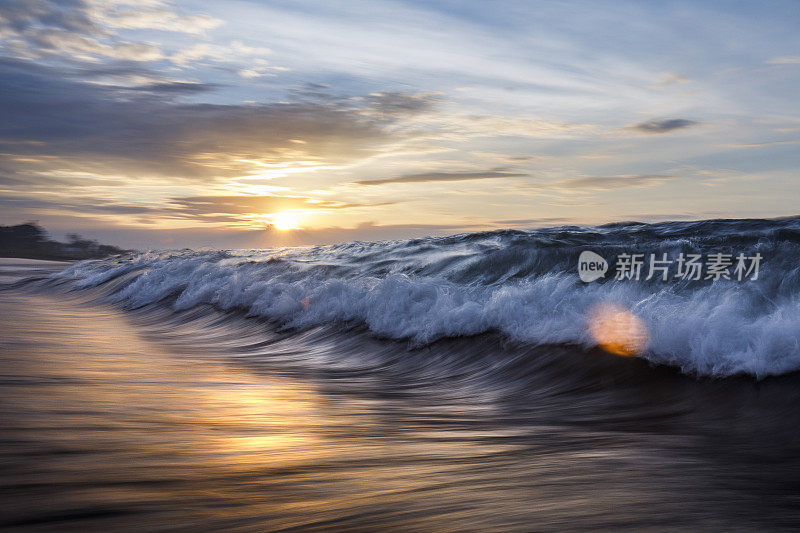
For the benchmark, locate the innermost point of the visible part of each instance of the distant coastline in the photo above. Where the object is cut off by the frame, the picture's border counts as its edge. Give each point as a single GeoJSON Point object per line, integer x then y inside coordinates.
{"type": "Point", "coordinates": [31, 241]}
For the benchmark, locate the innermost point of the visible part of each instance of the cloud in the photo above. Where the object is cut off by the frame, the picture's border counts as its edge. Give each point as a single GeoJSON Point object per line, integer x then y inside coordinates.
{"type": "Point", "coordinates": [664, 126]}
{"type": "Point", "coordinates": [444, 176]}
{"type": "Point", "coordinates": [234, 209]}
{"type": "Point", "coordinates": [86, 30]}
{"type": "Point", "coordinates": [459, 126]}
{"type": "Point", "coordinates": [600, 183]}
{"type": "Point", "coordinates": [97, 17]}
{"type": "Point", "coordinates": [21, 15]}
{"type": "Point", "coordinates": [203, 205]}
{"type": "Point", "coordinates": [136, 52]}
{"type": "Point", "coordinates": [59, 41]}
{"type": "Point", "coordinates": [396, 103]}
{"type": "Point", "coordinates": [193, 206]}
{"type": "Point", "coordinates": [251, 59]}
{"type": "Point", "coordinates": [612, 182]}
{"type": "Point", "coordinates": [174, 87]}
{"type": "Point", "coordinates": [146, 132]}
{"type": "Point", "coordinates": [151, 15]}
{"type": "Point", "coordinates": [670, 78]}
{"type": "Point", "coordinates": [254, 73]}
{"type": "Point", "coordinates": [79, 206]}
{"type": "Point", "coordinates": [785, 60]}
{"type": "Point", "coordinates": [764, 144]}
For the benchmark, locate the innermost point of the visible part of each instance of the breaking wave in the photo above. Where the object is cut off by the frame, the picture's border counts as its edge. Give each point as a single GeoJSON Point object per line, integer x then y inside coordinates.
{"type": "Point", "coordinates": [522, 284]}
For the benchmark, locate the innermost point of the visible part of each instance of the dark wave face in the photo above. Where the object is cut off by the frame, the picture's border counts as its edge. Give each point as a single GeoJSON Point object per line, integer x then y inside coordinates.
{"type": "Point", "coordinates": [522, 284]}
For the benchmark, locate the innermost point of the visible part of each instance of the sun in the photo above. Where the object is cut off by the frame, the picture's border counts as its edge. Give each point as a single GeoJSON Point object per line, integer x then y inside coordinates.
{"type": "Point", "coordinates": [286, 221]}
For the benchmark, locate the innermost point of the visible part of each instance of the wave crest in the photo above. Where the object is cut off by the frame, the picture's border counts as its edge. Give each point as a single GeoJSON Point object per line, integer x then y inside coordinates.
{"type": "Point", "coordinates": [522, 284]}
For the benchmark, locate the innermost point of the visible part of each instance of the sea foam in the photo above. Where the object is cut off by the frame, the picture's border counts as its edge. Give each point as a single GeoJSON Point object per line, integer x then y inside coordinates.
{"type": "Point", "coordinates": [523, 284]}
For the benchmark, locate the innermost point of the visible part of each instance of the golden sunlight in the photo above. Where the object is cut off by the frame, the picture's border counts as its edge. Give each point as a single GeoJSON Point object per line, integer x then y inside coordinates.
{"type": "Point", "coordinates": [617, 330]}
{"type": "Point", "coordinates": [286, 221]}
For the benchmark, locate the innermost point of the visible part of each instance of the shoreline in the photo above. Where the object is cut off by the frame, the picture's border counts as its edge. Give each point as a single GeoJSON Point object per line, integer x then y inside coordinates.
{"type": "Point", "coordinates": [14, 269]}
{"type": "Point", "coordinates": [126, 421]}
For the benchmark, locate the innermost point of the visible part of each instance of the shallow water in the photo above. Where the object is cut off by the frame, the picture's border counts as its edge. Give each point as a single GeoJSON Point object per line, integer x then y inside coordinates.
{"type": "Point", "coordinates": [153, 419]}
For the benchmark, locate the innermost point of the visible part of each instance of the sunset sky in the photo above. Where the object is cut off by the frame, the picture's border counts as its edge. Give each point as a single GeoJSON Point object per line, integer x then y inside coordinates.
{"type": "Point", "coordinates": [148, 123]}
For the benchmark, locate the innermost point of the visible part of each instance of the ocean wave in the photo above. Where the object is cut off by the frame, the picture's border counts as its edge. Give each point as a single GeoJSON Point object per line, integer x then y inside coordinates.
{"type": "Point", "coordinates": [523, 284]}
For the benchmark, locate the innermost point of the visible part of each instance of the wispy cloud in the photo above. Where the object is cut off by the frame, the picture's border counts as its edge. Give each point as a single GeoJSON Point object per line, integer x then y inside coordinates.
{"type": "Point", "coordinates": [670, 78]}
{"type": "Point", "coordinates": [664, 126]}
{"type": "Point", "coordinates": [763, 144]}
{"type": "Point", "coordinates": [602, 183]}
{"type": "Point", "coordinates": [254, 204]}
{"type": "Point", "coordinates": [785, 60]}
{"type": "Point", "coordinates": [444, 176]}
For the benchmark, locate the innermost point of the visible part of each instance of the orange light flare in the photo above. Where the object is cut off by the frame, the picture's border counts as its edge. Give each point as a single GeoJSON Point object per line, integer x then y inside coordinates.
{"type": "Point", "coordinates": [617, 330]}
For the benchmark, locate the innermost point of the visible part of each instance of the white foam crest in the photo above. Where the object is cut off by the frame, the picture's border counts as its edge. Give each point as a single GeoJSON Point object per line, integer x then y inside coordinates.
{"type": "Point", "coordinates": [719, 329]}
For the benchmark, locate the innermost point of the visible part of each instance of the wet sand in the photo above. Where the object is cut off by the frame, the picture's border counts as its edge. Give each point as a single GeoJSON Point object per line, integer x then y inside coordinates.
{"type": "Point", "coordinates": [105, 429]}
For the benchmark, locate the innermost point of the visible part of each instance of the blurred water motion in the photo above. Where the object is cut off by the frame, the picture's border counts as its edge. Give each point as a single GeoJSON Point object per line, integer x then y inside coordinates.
{"type": "Point", "coordinates": [135, 422]}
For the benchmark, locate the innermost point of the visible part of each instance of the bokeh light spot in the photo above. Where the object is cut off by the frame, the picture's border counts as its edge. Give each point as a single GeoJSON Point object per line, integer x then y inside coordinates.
{"type": "Point", "coordinates": [617, 330]}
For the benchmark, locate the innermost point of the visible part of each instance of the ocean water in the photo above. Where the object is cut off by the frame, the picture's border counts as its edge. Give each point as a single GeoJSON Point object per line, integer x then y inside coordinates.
{"type": "Point", "coordinates": [464, 383]}
{"type": "Point", "coordinates": [521, 284]}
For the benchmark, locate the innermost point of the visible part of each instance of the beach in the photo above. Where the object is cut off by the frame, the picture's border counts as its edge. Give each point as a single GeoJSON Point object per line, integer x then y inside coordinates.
{"type": "Point", "coordinates": [199, 421]}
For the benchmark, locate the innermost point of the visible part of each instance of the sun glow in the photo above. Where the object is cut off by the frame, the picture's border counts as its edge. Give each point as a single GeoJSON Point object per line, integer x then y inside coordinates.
{"type": "Point", "coordinates": [286, 221]}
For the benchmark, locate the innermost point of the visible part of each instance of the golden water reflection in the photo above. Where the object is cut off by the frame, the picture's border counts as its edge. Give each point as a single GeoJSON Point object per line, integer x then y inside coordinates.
{"type": "Point", "coordinates": [118, 431]}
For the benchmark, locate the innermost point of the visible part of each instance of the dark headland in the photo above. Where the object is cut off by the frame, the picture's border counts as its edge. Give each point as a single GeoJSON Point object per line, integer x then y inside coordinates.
{"type": "Point", "coordinates": [31, 241]}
